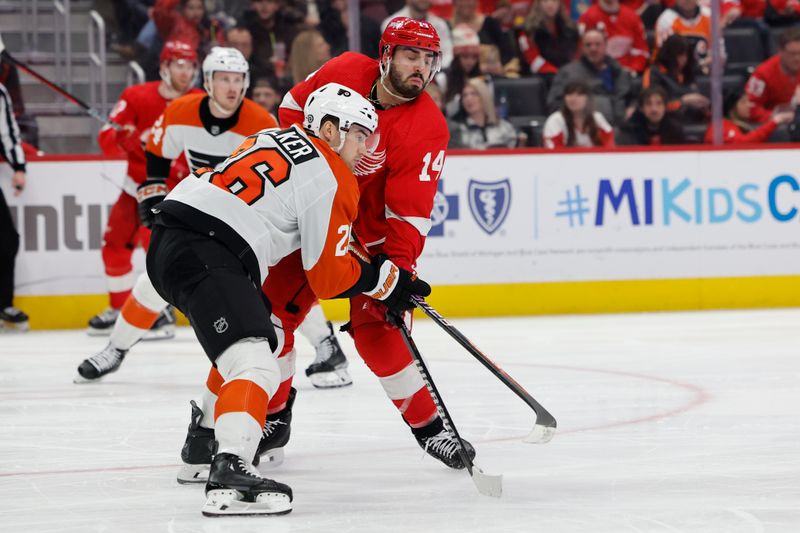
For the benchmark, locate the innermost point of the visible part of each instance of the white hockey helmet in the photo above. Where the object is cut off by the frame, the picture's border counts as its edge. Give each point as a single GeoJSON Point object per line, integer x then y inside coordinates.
{"type": "Point", "coordinates": [342, 103]}
{"type": "Point", "coordinates": [222, 59]}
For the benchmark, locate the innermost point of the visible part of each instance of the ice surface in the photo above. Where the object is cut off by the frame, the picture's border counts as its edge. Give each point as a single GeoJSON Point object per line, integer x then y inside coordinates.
{"type": "Point", "coordinates": [666, 422]}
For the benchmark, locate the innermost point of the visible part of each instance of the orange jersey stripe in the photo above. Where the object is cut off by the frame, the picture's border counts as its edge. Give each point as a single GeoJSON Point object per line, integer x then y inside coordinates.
{"type": "Point", "coordinates": [138, 315]}
{"type": "Point", "coordinates": [214, 381]}
{"type": "Point", "coordinates": [242, 396]}
{"type": "Point", "coordinates": [336, 270]}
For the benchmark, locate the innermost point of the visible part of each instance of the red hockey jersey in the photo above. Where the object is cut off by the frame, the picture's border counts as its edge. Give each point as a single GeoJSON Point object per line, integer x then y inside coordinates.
{"type": "Point", "coordinates": [769, 86]}
{"type": "Point", "coordinates": [627, 42]}
{"type": "Point", "coordinates": [398, 180]}
{"type": "Point", "coordinates": [139, 106]}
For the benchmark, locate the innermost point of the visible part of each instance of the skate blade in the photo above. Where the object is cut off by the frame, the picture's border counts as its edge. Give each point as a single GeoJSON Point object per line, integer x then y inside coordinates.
{"type": "Point", "coordinates": [271, 458]}
{"type": "Point", "coordinates": [160, 334]}
{"type": "Point", "coordinates": [92, 332]}
{"type": "Point", "coordinates": [191, 474]}
{"type": "Point", "coordinates": [80, 380]}
{"type": "Point", "coordinates": [228, 502]}
{"type": "Point", "coordinates": [14, 327]}
{"type": "Point", "coordinates": [331, 380]}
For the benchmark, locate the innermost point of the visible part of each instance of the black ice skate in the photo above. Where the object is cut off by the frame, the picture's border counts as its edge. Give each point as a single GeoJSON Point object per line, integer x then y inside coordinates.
{"type": "Point", "coordinates": [276, 432]}
{"type": "Point", "coordinates": [164, 326]}
{"type": "Point", "coordinates": [442, 444]}
{"type": "Point", "coordinates": [102, 323]}
{"type": "Point", "coordinates": [101, 364]}
{"type": "Point", "coordinates": [236, 488]}
{"type": "Point", "coordinates": [329, 369]}
{"type": "Point", "coordinates": [197, 451]}
{"type": "Point", "coordinates": [13, 320]}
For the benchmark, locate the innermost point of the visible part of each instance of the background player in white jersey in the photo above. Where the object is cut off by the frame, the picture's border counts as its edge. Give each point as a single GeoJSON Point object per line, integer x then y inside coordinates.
{"type": "Point", "coordinates": [205, 128]}
{"type": "Point", "coordinates": [214, 240]}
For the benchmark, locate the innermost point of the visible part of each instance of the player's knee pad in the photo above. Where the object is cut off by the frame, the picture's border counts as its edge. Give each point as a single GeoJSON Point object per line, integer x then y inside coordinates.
{"type": "Point", "coordinates": [251, 359]}
{"type": "Point", "coordinates": [146, 294]}
{"type": "Point", "coordinates": [403, 384]}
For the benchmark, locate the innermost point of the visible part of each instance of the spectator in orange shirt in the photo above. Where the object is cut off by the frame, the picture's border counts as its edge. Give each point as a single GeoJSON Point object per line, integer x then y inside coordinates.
{"type": "Point", "coordinates": [674, 71]}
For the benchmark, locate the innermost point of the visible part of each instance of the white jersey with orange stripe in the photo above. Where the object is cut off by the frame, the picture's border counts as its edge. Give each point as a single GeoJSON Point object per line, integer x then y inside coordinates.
{"type": "Point", "coordinates": [280, 191]}
{"type": "Point", "coordinates": [187, 126]}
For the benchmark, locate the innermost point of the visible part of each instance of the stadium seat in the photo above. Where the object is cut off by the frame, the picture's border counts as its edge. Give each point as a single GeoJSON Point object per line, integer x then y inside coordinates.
{"type": "Point", "coordinates": [774, 40]}
{"type": "Point", "coordinates": [525, 96]}
{"type": "Point", "coordinates": [744, 50]}
{"type": "Point", "coordinates": [530, 125]}
{"type": "Point", "coordinates": [729, 82]}
{"type": "Point", "coordinates": [694, 133]}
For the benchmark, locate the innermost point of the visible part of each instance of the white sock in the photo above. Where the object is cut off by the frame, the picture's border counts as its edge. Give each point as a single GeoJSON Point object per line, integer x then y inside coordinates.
{"type": "Point", "coordinates": [314, 327]}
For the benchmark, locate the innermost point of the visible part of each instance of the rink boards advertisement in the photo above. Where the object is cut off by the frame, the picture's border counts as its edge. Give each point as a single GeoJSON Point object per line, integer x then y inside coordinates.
{"type": "Point", "coordinates": [512, 232]}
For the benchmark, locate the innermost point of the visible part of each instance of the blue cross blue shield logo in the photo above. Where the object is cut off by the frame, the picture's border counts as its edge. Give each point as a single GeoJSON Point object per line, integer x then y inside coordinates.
{"type": "Point", "coordinates": [489, 202]}
{"type": "Point", "coordinates": [445, 207]}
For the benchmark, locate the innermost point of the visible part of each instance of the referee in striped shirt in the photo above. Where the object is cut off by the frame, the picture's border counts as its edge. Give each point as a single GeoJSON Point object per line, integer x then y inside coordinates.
{"type": "Point", "coordinates": [11, 150]}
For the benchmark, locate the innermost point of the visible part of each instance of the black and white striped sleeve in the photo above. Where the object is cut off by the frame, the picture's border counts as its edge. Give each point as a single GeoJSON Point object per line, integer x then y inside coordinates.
{"type": "Point", "coordinates": [10, 141]}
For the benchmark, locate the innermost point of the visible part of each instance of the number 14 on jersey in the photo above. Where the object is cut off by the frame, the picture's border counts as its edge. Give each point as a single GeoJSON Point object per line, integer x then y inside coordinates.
{"type": "Point", "coordinates": [436, 167]}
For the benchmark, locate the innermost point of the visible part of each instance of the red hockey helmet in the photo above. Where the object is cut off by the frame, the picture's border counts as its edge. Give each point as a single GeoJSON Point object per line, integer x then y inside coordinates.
{"type": "Point", "coordinates": [178, 50]}
{"type": "Point", "coordinates": [405, 31]}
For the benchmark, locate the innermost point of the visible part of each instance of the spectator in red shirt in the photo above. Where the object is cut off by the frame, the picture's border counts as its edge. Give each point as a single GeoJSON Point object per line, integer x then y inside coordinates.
{"type": "Point", "coordinates": [549, 38]}
{"type": "Point", "coordinates": [736, 129]}
{"type": "Point", "coordinates": [186, 21]}
{"type": "Point", "coordinates": [626, 40]}
{"type": "Point", "coordinates": [577, 123]}
{"type": "Point", "coordinates": [773, 85]}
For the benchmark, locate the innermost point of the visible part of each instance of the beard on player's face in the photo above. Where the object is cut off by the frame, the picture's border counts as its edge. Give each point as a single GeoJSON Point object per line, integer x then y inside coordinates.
{"type": "Point", "coordinates": [405, 86]}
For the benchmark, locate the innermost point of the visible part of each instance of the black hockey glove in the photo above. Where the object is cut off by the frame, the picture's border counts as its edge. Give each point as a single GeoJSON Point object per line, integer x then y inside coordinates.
{"type": "Point", "coordinates": [148, 194]}
{"type": "Point", "coordinates": [395, 287]}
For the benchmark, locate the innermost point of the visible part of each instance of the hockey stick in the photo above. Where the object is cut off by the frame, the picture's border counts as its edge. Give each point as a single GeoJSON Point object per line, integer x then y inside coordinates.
{"type": "Point", "coordinates": [545, 426]}
{"type": "Point", "coordinates": [72, 98]}
{"type": "Point", "coordinates": [488, 485]}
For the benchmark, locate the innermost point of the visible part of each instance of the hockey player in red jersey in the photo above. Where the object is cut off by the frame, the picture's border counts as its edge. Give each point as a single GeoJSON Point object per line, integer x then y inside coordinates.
{"type": "Point", "coordinates": [398, 182]}
{"type": "Point", "coordinates": [131, 119]}
{"type": "Point", "coordinates": [215, 239]}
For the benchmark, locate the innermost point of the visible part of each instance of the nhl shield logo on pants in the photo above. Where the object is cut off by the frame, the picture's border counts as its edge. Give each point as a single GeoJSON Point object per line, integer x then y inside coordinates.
{"type": "Point", "coordinates": [221, 325]}
{"type": "Point", "coordinates": [489, 203]}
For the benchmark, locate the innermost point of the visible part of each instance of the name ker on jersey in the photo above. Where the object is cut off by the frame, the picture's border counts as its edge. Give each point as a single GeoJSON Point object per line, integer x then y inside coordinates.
{"type": "Point", "coordinates": [294, 145]}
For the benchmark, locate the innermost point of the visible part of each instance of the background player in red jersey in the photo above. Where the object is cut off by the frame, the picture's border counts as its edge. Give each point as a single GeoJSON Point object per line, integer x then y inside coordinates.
{"type": "Point", "coordinates": [130, 122]}
{"type": "Point", "coordinates": [398, 182]}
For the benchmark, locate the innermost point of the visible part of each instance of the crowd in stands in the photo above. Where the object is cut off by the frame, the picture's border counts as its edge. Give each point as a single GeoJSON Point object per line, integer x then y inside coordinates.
{"type": "Point", "coordinates": [547, 73]}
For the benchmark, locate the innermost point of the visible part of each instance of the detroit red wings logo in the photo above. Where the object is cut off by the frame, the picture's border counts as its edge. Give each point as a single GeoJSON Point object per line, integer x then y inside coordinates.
{"type": "Point", "coordinates": [373, 160]}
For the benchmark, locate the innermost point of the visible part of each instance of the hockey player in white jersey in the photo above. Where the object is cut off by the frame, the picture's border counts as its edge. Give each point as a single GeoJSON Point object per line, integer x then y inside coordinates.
{"type": "Point", "coordinates": [214, 240]}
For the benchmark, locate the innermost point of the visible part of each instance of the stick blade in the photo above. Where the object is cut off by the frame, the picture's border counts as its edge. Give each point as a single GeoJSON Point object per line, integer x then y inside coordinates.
{"type": "Point", "coordinates": [487, 484]}
{"type": "Point", "coordinates": [540, 434]}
